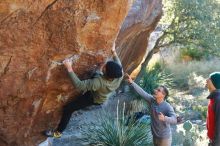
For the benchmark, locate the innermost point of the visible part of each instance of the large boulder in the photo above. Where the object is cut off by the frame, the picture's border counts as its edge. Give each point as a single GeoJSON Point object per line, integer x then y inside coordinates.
{"type": "Point", "coordinates": [36, 35]}
{"type": "Point", "coordinates": [133, 38]}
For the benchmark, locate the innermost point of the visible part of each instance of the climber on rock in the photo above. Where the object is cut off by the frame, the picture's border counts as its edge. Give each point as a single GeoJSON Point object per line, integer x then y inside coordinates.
{"type": "Point", "coordinates": [162, 113]}
{"type": "Point", "coordinates": [96, 90]}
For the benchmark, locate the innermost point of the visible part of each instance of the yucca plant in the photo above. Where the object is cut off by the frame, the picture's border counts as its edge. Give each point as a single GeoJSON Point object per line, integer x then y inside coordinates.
{"type": "Point", "coordinates": [115, 131]}
{"type": "Point", "coordinates": [154, 77]}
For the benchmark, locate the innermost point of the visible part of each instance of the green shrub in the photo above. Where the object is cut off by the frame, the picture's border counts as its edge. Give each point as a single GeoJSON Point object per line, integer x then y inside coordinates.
{"type": "Point", "coordinates": [194, 53]}
{"type": "Point", "coordinates": [202, 110]}
{"type": "Point", "coordinates": [189, 134]}
{"type": "Point", "coordinates": [154, 77]}
{"type": "Point", "coordinates": [115, 131]}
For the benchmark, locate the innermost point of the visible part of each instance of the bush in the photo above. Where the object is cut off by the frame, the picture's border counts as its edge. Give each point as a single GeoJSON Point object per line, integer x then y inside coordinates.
{"type": "Point", "coordinates": [189, 134]}
{"type": "Point", "coordinates": [111, 131]}
{"type": "Point", "coordinates": [154, 77]}
{"type": "Point", "coordinates": [202, 110]}
{"type": "Point", "coordinates": [193, 53]}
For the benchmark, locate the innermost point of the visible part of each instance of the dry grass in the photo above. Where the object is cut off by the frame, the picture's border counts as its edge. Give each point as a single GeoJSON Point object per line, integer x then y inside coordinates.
{"type": "Point", "coordinates": [183, 73]}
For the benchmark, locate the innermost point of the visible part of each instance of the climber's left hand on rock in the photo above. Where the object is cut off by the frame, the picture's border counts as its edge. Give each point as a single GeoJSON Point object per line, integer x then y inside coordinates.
{"type": "Point", "coordinates": [68, 64]}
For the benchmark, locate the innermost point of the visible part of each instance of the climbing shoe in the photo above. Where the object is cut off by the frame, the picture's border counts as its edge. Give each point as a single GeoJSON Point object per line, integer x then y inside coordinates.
{"type": "Point", "coordinates": [51, 133]}
{"type": "Point", "coordinates": [57, 134]}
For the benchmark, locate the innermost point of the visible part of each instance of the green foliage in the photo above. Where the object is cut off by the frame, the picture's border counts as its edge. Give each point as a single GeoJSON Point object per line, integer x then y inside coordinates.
{"type": "Point", "coordinates": [154, 77]}
{"type": "Point", "coordinates": [194, 22]}
{"type": "Point", "coordinates": [187, 125]}
{"type": "Point", "coordinates": [194, 53]}
{"type": "Point", "coordinates": [111, 131]}
{"type": "Point", "coordinates": [201, 109]}
{"type": "Point", "coordinates": [188, 136]}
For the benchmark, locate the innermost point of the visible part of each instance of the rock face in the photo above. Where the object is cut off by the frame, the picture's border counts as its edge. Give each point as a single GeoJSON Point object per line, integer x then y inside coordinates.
{"type": "Point", "coordinates": [36, 35]}
{"type": "Point", "coordinates": [133, 38]}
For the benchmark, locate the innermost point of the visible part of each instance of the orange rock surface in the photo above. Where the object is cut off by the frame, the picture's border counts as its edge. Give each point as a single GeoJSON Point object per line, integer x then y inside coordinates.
{"type": "Point", "coordinates": [36, 35]}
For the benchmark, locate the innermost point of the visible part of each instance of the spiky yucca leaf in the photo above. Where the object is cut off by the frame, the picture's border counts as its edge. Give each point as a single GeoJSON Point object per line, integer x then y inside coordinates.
{"type": "Point", "coordinates": [154, 77]}
{"type": "Point", "coordinates": [115, 131]}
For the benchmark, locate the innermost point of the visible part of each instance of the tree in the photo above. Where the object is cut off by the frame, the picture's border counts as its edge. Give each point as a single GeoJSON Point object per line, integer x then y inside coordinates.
{"type": "Point", "coordinates": [188, 23]}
